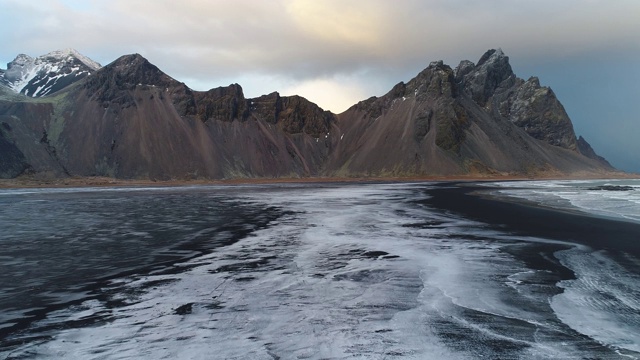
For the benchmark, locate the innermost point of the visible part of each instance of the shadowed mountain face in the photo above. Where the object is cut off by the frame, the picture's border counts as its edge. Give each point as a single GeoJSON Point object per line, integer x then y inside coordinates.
{"type": "Point", "coordinates": [130, 120]}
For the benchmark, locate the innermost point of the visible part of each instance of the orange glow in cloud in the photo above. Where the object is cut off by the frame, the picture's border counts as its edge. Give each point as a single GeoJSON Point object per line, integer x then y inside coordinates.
{"type": "Point", "coordinates": [352, 23]}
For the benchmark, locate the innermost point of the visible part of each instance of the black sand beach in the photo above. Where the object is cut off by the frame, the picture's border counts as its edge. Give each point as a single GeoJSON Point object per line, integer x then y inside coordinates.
{"type": "Point", "coordinates": [527, 219]}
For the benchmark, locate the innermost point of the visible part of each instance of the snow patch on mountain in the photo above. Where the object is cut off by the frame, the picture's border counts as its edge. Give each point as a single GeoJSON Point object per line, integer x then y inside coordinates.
{"type": "Point", "coordinates": [72, 53]}
{"type": "Point", "coordinates": [48, 73]}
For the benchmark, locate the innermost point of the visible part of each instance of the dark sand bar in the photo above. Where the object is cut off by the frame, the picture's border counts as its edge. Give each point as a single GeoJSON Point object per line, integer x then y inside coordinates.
{"type": "Point", "coordinates": [528, 219]}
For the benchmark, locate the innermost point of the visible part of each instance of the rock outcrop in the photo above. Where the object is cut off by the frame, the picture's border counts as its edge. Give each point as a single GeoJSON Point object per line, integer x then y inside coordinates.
{"type": "Point", "coordinates": [493, 85]}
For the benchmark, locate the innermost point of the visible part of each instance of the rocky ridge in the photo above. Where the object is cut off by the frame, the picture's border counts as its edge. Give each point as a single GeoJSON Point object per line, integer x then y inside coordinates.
{"type": "Point", "coordinates": [130, 120]}
{"type": "Point", "coordinates": [477, 118]}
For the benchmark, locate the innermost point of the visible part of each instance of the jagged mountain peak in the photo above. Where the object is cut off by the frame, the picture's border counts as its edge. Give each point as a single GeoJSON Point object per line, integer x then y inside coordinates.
{"type": "Point", "coordinates": [232, 89]}
{"type": "Point", "coordinates": [54, 56]}
{"type": "Point", "coordinates": [20, 60]}
{"type": "Point", "coordinates": [436, 64]}
{"type": "Point", "coordinates": [492, 85]}
{"type": "Point", "coordinates": [132, 64]}
{"type": "Point", "coordinates": [132, 70]}
{"type": "Point", "coordinates": [437, 79]}
{"type": "Point", "coordinates": [129, 60]}
{"type": "Point", "coordinates": [496, 63]}
{"type": "Point", "coordinates": [294, 114]}
{"type": "Point", "coordinates": [68, 53]}
{"type": "Point", "coordinates": [481, 81]}
{"type": "Point", "coordinates": [47, 74]}
{"type": "Point", "coordinates": [534, 81]}
{"type": "Point", "coordinates": [116, 83]}
{"type": "Point", "coordinates": [492, 56]}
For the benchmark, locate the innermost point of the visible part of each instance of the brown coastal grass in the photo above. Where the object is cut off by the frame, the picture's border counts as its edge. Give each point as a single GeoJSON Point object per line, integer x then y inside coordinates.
{"type": "Point", "coordinates": [35, 182]}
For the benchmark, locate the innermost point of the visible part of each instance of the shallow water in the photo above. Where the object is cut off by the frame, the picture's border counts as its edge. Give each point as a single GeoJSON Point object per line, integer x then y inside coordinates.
{"type": "Point", "coordinates": [618, 199]}
{"type": "Point", "coordinates": [297, 271]}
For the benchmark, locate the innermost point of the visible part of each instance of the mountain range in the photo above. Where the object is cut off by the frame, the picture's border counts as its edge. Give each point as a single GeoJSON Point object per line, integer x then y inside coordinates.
{"type": "Point", "coordinates": [63, 115]}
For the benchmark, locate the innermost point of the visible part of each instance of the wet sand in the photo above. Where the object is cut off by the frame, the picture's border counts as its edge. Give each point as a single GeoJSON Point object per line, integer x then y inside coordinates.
{"type": "Point", "coordinates": [528, 219]}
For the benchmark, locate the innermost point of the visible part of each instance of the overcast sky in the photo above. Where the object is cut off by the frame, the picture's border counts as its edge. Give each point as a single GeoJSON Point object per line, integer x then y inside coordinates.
{"type": "Point", "coordinates": [337, 52]}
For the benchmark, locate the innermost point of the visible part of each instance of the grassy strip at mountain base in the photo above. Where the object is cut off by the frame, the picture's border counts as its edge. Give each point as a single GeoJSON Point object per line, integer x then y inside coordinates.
{"type": "Point", "coordinates": [34, 181]}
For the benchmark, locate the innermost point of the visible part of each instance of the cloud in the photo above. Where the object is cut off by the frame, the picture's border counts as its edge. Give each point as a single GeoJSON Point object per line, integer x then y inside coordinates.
{"type": "Point", "coordinates": [336, 93]}
{"type": "Point", "coordinates": [310, 40]}
{"type": "Point", "coordinates": [305, 39]}
{"type": "Point", "coordinates": [338, 23]}
{"type": "Point", "coordinates": [329, 50]}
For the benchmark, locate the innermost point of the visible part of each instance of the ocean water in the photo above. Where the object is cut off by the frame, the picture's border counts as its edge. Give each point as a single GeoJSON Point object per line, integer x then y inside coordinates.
{"type": "Point", "coordinates": [298, 271]}
{"type": "Point", "coordinates": [607, 288]}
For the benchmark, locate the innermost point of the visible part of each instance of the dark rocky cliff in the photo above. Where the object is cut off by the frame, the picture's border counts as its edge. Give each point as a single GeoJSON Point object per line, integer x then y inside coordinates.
{"type": "Point", "coordinates": [26, 145]}
{"type": "Point", "coordinates": [293, 114]}
{"type": "Point", "coordinates": [12, 162]}
{"type": "Point", "coordinates": [479, 119]}
{"type": "Point", "coordinates": [493, 85]}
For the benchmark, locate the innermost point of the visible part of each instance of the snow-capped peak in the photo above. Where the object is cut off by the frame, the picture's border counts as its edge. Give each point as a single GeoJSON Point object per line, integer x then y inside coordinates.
{"type": "Point", "coordinates": [21, 60]}
{"type": "Point", "coordinates": [66, 53]}
{"type": "Point", "coordinates": [48, 73]}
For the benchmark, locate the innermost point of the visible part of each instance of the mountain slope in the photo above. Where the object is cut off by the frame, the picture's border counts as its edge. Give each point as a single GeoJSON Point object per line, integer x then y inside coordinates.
{"type": "Point", "coordinates": [130, 120]}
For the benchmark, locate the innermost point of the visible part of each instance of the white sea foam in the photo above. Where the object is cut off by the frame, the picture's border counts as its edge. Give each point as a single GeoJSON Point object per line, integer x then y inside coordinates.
{"type": "Point", "coordinates": [581, 195]}
{"type": "Point", "coordinates": [109, 189]}
{"type": "Point", "coordinates": [606, 295]}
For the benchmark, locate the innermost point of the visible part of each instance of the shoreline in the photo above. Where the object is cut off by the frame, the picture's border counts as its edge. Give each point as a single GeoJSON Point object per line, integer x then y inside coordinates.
{"type": "Point", "coordinates": [32, 182]}
{"type": "Point", "coordinates": [524, 218]}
